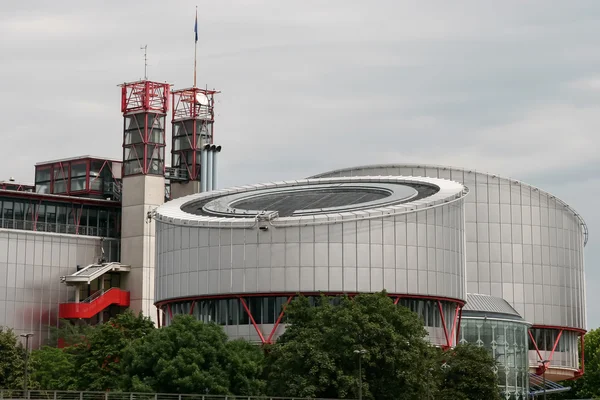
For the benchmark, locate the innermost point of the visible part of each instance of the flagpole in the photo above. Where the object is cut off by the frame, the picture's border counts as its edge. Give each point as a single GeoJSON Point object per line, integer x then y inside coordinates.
{"type": "Point", "coordinates": [195, 45]}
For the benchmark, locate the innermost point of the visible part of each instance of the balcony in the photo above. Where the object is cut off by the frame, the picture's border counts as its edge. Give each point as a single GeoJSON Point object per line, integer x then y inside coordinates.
{"type": "Point", "coordinates": [94, 304]}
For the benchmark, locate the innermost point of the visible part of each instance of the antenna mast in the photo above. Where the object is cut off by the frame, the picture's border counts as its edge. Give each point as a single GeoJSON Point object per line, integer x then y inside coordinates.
{"type": "Point", "coordinates": [195, 44]}
{"type": "Point", "coordinates": [145, 48]}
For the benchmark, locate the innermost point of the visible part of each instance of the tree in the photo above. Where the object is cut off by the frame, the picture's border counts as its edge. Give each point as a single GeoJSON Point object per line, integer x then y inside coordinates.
{"type": "Point", "coordinates": [245, 365]}
{"type": "Point", "coordinates": [53, 369]}
{"type": "Point", "coordinates": [190, 356]}
{"type": "Point", "coordinates": [316, 357]}
{"type": "Point", "coordinates": [69, 333]}
{"type": "Point", "coordinates": [468, 374]}
{"type": "Point", "coordinates": [97, 359]}
{"type": "Point", "coordinates": [12, 360]}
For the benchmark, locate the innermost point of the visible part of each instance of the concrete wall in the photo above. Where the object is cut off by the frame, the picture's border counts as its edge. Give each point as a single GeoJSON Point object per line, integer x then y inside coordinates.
{"type": "Point", "coordinates": [141, 194]}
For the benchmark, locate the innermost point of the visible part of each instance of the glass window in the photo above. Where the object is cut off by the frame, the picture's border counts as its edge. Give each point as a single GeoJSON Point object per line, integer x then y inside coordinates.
{"type": "Point", "coordinates": [78, 184]}
{"type": "Point", "coordinates": [19, 211]}
{"type": "Point", "coordinates": [61, 213]}
{"type": "Point", "coordinates": [41, 213]}
{"type": "Point", "coordinates": [78, 169]}
{"type": "Point", "coordinates": [93, 219]}
{"type": "Point", "coordinates": [60, 186]}
{"type": "Point", "coordinates": [102, 222]}
{"type": "Point", "coordinates": [51, 214]}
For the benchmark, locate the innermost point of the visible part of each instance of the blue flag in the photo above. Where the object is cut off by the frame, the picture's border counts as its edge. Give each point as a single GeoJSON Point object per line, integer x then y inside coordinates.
{"type": "Point", "coordinates": [196, 26]}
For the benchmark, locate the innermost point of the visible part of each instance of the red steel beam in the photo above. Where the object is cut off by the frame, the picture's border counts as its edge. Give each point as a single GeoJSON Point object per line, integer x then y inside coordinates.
{"type": "Point", "coordinates": [458, 326]}
{"type": "Point", "coordinates": [582, 354]}
{"type": "Point", "coordinates": [439, 303]}
{"type": "Point", "coordinates": [262, 338]}
{"type": "Point", "coordinates": [535, 345]}
{"type": "Point", "coordinates": [192, 308]}
{"type": "Point", "coordinates": [454, 321]}
{"type": "Point", "coordinates": [287, 294]}
{"type": "Point", "coordinates": [279, 319]}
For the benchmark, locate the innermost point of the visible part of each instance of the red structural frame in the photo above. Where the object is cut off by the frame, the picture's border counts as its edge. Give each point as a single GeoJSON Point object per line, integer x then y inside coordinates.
{"type": "Point", "coordinates": [61, 171]}
{"type": "Point", "coordinates": [145, 97]}
{"type": "Point", "coordinates": [542, 368]}
{"type": "Point", "coordinates": [186, 107]}
{"type": "Point", "coordinates": [451, 337]}
{"type": "Point", "coordinates": [18, 187]}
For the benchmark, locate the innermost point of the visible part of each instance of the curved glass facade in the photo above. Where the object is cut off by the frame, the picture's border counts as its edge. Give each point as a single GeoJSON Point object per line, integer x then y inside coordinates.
{"type": "Point", "coordinates": [507, 343]}
{"type": "Point", "coordinates": [265, 310]}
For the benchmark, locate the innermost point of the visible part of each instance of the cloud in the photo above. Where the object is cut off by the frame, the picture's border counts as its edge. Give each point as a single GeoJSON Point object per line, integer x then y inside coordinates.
{"type": "Point", "coordinates": [509, 87]}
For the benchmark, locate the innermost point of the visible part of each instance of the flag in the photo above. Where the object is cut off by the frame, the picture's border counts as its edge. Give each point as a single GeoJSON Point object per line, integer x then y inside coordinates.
{"type": "Point", "coordinates": [196, 26]}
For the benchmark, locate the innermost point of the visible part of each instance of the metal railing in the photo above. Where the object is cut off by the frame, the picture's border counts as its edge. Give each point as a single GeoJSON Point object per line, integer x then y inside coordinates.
{"type": "Point", "coordinates": [6, 394]}
{"type": "Point", "coordinates": [54, 228]}
{"type": "Point", "coordinates": [176, 174]}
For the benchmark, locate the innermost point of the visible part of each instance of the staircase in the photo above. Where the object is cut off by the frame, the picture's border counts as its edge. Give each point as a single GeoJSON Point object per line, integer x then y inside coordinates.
{"type": "Point", "coordinates": [94, 304]}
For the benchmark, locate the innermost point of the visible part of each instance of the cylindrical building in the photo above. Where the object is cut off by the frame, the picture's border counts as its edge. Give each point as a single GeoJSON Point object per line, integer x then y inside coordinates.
{"type": "Point", "coordinates": [522, 245]}
{"type": "Point", "coordinates": [237, 256]}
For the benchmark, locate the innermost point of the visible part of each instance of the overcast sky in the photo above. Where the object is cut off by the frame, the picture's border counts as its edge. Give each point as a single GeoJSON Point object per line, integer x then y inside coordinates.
{"type": "Point", "coordinates": [509, 87]}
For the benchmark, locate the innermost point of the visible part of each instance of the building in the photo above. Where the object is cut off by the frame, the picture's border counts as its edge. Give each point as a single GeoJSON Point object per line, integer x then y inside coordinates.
{"type": "Point", "coordinates": [79, 243]}
{"type": "Point", "coordinates": [525, 246]}
{"type": "Point", "coordinates": [433, 237]}
{"type": "Point", "coordinates": [472, 253]}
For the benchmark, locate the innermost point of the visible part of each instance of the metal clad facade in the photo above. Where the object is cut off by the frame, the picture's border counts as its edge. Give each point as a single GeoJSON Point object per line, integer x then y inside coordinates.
{"type": "Point", "coordinates": [523, 245]}
{"type": "Point", "coordinates": [417, 253]}
{"type": "Point", "coordinates": [31, 264]}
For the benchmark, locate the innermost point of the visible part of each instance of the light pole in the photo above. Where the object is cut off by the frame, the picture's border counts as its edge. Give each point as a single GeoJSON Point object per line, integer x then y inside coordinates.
{"type": "Point", "coordinates": [543, 362]}
{"type": "Point", "coordinates": [26, 381]}
{"type": "Point", "coordinates": [360, 353]}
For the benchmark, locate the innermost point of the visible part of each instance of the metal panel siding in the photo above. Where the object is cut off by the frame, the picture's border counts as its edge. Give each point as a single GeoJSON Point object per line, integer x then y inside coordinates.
{"type": "Point", "coordinates": [31, 264]}
{"type": "Point", "coordinates": [345, 256]}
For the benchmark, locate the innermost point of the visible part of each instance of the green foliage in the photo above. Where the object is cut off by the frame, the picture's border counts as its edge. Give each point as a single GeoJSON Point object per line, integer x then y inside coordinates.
{"type": "Point", "coordinates": [97, 359]}
{"type": "Point", "coordinates": [11, 360]}
{"type": "Point", "coordinates": [316, 356]}
{"type": "Point", "coordinates": [468, 372]}
{"type": "Point", "coordinates": [53, 369]}
{"type": "Point", "coordinates": [70, 333]}
{"type": "Point", "coordinates": [190, 356]}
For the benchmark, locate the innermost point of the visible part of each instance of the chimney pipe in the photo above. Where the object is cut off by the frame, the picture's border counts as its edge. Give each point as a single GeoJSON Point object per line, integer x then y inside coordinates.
{"type": "Point", "coordinates": [214, 167]}
{"type": "Point", "coordinates": [209, 164]}
{"type": "Point", "coordinates": [203, 168]}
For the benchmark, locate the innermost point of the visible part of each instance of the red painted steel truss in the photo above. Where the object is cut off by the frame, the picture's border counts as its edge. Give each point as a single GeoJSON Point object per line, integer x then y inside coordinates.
{"type": "Point", "coordinates": [145, 96]}
{"type": "Point", "coordinates": [61, 176]}
{"type": "Point", "coordinates": [198, 106]}
{"type": "Point", "coordinates": [450, 337]}
{"type": "Point", "coordinates": [545, 365]}
{"type": "Point", "coordinates": [144, 105]}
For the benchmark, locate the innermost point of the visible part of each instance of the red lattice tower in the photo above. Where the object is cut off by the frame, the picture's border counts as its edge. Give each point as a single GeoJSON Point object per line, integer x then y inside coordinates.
{"type": "Point", "coordinates": [144, 105]}
{"type": "Point", "coordinates": [193, 128]}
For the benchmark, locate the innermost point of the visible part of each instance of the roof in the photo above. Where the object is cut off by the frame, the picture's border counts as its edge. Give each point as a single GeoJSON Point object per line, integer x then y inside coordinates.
{"type": "Point", "coordinates": [219, 206]}
{"type": "Point", "coordinates": [482, 304]}
{"type": "Point", "coordinates": [85, 157]}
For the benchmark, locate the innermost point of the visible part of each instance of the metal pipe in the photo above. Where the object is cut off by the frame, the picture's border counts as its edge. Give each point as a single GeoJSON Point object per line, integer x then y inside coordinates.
{"type": "Point", "coordinates": [214, 167]}
{"type": "Point", "coordinates": [203, 171]}
{"type": "Point", "coordinates": [26, 380]}
{"type": "Point", "coordinates": [209, 164]}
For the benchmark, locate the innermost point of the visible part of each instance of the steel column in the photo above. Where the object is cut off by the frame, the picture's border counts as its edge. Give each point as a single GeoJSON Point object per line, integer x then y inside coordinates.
{"type": "Point", "coordinates": [439, 303]}
{"type": "Point", "coordinates": [279, 319]}
{"type": "Point", "coordinates": [262, 338]}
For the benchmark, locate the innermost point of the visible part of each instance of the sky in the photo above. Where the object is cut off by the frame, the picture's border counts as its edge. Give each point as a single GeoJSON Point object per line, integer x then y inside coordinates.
{"type": "Point", "coordinates": [508, 87]}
